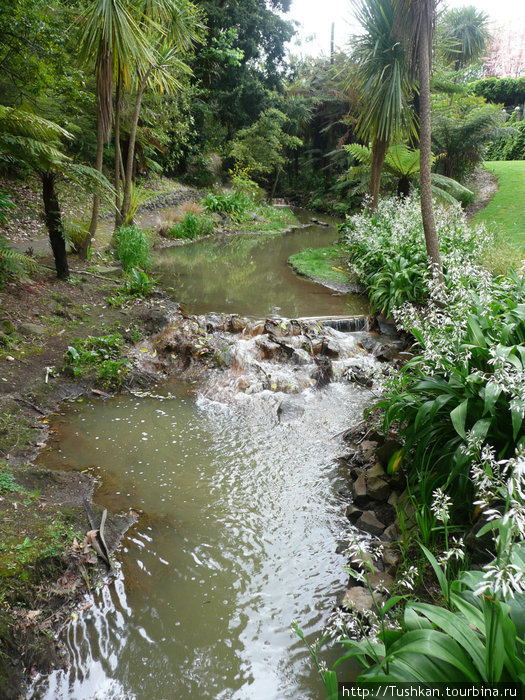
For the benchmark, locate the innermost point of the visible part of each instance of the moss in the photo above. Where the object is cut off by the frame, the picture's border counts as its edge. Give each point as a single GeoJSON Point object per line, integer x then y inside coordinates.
{"type": "Point", "coordinates": [323, 264]}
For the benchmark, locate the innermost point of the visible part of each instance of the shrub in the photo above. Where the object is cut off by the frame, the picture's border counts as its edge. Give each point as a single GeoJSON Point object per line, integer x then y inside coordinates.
{"type": "Point", "coordinates": [191, 226]}
{"type": "Point", "coordinates": [137, 284]}
{"type": "Point", "coordinates": [99, 355]}
{"type": "Point", "coordinates": [235, 204]}
{"type": "Point", "coordinates": [132, 246]}
{"type": "Point", "coordinates": [386, 250]}
{"type": "Point", "coordinates": [13, 263]}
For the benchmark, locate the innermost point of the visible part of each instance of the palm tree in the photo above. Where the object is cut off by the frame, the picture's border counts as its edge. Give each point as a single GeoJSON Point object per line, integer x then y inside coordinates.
{"type": "Point", "coordinates": [415, 24]}
{"type": "Point", "coordinates": [114, 40]}
{"type": "Point", "coordinates": [464, 35]}
{"type": "Point", "coordinates": [29, 139]}
{"type": "Point", "coordinates": [172, 27]}
{"type": "Point", "coordinates": [384, 82]}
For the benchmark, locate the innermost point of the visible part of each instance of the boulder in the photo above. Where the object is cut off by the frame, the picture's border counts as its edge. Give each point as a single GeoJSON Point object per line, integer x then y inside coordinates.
{"type": "Point", "coordinates": [359, 599]}
{"type": "Point", "coordinates": [377, 489]}
{"type": "Point", "coordinates": [369, 522]}
{"type": "Point", "coordinates": [376, 470]}
{"type": "Point", "coordinates": [391, 533]}
{"type": "Point", "coordinates": [353, 514]}
{"type": "Point", "coordinates": [386, 451]}
{"type": "Point", "coordinates": [391, 558]}
{"type": "Point", "coordinates": [378, 579]}
{"type": "Point", "coordinates": [31, 329]}
{"type": "Point", "coordinates": [358, 489]}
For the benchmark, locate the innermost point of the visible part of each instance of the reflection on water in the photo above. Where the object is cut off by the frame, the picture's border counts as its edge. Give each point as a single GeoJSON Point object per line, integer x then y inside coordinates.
{"type": "Point", "coordinates": [238, 539]}
{"type": "Point", "coordinates": [249, 275]}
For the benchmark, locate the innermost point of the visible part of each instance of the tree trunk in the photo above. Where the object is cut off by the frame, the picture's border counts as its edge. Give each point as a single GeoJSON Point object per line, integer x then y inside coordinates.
{"type": "Point", "coordinates": [83, 253]}
{"type": "Point", "coordinates": [118, 155]}
{"type": "Point", "coordinates": [131, 154]}
{"type": "Point", "coordinates": [403, 187]}
{"type": "Point", "coordinates": [379, 149]}
{"type": "Point", "coordinates": [427, 209]}
{"type": "Point", "coordinates": [53, 218]}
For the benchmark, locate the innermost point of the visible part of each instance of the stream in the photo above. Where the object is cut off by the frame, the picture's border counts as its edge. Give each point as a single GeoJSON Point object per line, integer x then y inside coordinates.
{"type": "Point", "coordinates": [239, 499]}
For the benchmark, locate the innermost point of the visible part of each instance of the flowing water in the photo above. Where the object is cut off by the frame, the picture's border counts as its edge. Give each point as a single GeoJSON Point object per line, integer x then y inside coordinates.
{"type": "Point", "coordinates": [241, 517]}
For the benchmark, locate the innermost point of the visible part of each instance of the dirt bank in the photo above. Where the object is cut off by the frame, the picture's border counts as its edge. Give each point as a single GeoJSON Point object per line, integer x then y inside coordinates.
{"type": "Point", "coordinates": [44, 568]}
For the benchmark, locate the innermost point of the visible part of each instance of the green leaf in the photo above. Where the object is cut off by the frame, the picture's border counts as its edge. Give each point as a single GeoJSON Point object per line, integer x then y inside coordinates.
{"type": "Point", "coordinates": [457, 628]}
{"type": "Point", "coordinates": [517, 420]}
{"type": "Point", "coordinates": [476, 332]}
{"type": "Point", "coordinates": [492, 394]}
{"type": "Point", "coordinates": [435, 645]}
{"type": "Point", "coordinates": [458, 416]}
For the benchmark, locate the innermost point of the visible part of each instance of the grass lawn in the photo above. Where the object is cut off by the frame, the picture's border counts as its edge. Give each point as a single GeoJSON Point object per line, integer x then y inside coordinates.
{"type": "Point", "coordinates": [507, 207]}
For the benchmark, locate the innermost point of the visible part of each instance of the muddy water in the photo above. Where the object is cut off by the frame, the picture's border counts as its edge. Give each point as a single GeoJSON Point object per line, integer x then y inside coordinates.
{"type": "Point", "coordinates": [241, 517]}
{"type": "Point", "coordinates": [249, 275]}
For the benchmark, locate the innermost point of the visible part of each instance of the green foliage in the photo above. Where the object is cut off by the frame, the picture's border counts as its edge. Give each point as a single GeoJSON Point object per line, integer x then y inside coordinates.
{"type": "Point", "coordinates": [235, 204]}
{"type": "Point", "coordinates": [192, 226]}
{"type": "Point", "coordinates": [132, 248]}
{"type": "Point", "coordinates": [435, 413]}
{"type": "Point", "coordinates": [402, 164]}
{"type": "Point", "coordinates": [511, 146]}
{"type": "Point", "coordinates": [386, 250]}
{"type": "Point", "coordinates": [137, 285]}
{"type": "Point", "coordinates": [14, 264]}
{"type": "Point", "coordinates": [463, 35]}
{"type": "Point", "coordinates": [262, 148]}
{"type": "Point", "coordinates": [6, 205]}
{"type": "Point", "coordinates": [99, 355]}
{"type": "Point", "coordinates": [382, 76]}
{"type": "Point", "coordinates": [8, 483]}
{"type": "Point", "coordinates": [75, 233]}
{"type": "Point", "coordinates": [462, 131]}
{"type": "Point", "coordinates": [507, 91]}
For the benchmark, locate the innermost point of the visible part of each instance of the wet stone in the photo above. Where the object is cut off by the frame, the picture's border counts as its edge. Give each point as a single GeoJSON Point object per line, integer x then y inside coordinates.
{"type": "Point", "coordinates": [358, 489]}
{"type": "Point", "coordinates": [391, 558]}
{"type": "Point", "coordinates": [370, 523]}
{"type": "Point", "coordinates": [289, 410]}
{"type": "Point", "coordinates": [353, 514]}
{"type": "Point", "coordinates": [377, 488]}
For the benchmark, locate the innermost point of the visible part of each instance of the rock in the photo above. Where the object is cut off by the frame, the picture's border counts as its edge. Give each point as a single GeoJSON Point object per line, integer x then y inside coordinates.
{"type": "Point", "coordinates": [330, 349]}
{"type": "Point", "coordinates": [353, 513]}
{"type": "Point", "coordinates": [393, 499]}
{"type": "Point", "coordinates": [154, 320]}
{"type": "Point", "coordinates": [237, 324]}
{"type": "Point", "coordinates": [358, 489]}
{"type": "Point", "coordinates": [378, 579]}
{"type": "Point", "coordinates": [289, 410]}
{"type": "Point", "coordinates": [386, 451]}
{"type": "Point", "coordinates": [370, 523]}
{"type": "Point", "coordinates": [268, 348]}
{"type": "Point", "coordinates": [385, 512]}
{"type": "Point", "coordinates": [368, 343]}
{"type": "Point", "coordinates": [356, 472]}
{"type": "Point", "coordinates": [391, 558]}
{"type": "Point", "coordinates": [386, 325]}
{"type": "Point", "coordinates": [31, 329]}
{"type": "Point", "coordinates": [391, 533]}
{"type": "Point", "coordinates": [376, 470]}
{"type": "Point", "coordinates": [323, 373]}
{"type": "Point", "coordinates": [6, 326]}
{"type": "Point", "coordinates": [358, 599]}
{"type": "Point", "coordinates": [377, 488]}
{"type": "Point", "coordinates": [358, 376]}
{"type": "Point", "coordinates": [362, 560]}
